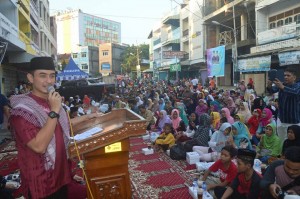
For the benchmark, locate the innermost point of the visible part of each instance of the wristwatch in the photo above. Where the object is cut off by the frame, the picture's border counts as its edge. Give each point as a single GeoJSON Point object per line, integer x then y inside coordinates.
{"type": "Point", "coordinates": [52, 115]}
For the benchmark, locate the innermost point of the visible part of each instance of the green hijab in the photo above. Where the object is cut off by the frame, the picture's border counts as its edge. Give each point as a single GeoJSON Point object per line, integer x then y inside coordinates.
{"type": "Point", "coordinates": [272, 142]}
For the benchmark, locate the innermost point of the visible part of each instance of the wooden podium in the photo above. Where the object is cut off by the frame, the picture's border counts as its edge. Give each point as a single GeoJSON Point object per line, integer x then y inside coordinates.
{"type": "Point", "coordinates": [106, 153]}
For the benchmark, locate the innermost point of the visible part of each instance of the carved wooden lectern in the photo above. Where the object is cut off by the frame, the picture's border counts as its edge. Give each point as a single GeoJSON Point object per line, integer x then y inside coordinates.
{"type": "Point", "coordinates": [106, 153]}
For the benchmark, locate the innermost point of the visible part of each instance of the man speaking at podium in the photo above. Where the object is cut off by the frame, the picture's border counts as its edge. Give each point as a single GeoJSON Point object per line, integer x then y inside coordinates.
{"type": "Point", "coordinates": [41, 128]}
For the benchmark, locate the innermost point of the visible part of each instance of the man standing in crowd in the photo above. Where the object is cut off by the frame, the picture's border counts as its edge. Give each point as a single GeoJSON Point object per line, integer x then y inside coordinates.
{"type": "Point", "coordinates": [283, 176]}
{"type": "Point", "coordinates": [41, 129]}
{"type": "Point", "coordinates": [288, 99]}
{"type": "Point", "coordinates": [195, 82]}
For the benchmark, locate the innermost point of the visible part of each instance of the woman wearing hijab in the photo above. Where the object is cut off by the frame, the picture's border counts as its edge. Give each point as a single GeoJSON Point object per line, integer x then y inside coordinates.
{"type": "Point", "coordinates": [226, 113]}
{"type": "Point", "coordinates": [182, 114]}
{"type": "Point", "coordinates": [240, 136]}
{"type": "Point", "coordinates": [253, 121]}
{"type": "Point", "coordinates": [155, 106]}
{"type": "Point", "coordinates": [229, 103]}
{"type": "Point", "coordinates": [293, 137]}
{"type": "Point", "coordinates": [215, 117]}
{"type": "Point", "coordinates": [150, 104]}
{"type": "Point", "coordinates": [258, 103]}
{"type": "Point", "coordinates": [217, 142]}
{"type": "Point", "coordinates": [161, 104]}
{"type": "Point", "coordinates": [244, 111]}
{"type": "Point", "coordinates": [202, 135]}
{"type": "Point", "coordinates": [201, 108]}
{"type": "Point", "coordinates": [266, 118]}
{"type": "Point", "coordinates": [177, 122]}
{"type": "Point", "coordinates": [251, 101]}
{"type": "Point", "coordinates": [193, 125]}
{"type": "Point", "coordinates": [163, 119]}
{"type": "Point", "coordinates": [269, 145]}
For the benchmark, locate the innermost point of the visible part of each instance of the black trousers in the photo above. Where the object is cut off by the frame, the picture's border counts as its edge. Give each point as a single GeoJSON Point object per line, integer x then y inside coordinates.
{"type": "Point", "coordinates": [62, 193]}
{"type": "Point", "coordinates": [219, 191]}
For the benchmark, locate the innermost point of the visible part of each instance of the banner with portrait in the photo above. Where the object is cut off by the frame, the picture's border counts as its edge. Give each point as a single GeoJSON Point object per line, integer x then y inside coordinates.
{"type": "Point", "coordinates": [215, 61]}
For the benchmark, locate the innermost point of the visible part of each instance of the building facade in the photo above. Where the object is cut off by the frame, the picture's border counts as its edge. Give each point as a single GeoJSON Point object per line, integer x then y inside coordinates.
{"type": "Point", "coordinates": [25, 27]}
{"type": "Point", "coordinates": [76, 28]}
{"type": "Point", "coordinates": [87, 59]}
{"type": "Point", "coordinates": [110, 58]}
{"type": "Point", "coordinates": [180, 30]}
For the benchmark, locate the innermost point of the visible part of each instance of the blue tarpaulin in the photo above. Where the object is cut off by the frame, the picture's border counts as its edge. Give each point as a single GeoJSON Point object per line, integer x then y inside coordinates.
{"type": "Point", "coordinates": [71, 72]}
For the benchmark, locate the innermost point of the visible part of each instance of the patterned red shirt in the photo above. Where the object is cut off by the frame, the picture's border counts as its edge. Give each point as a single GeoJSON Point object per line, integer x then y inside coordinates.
{"type": "Point", "coordinates": [35, 178]}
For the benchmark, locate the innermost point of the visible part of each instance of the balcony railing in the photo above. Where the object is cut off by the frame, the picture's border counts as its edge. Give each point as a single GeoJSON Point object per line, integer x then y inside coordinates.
{"type": "Point", "coordinates": [226, 38]}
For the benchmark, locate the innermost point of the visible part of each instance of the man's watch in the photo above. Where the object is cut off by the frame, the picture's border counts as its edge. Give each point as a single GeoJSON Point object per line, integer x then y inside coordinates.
{"type": "Point", "coordinates": [52, 115]}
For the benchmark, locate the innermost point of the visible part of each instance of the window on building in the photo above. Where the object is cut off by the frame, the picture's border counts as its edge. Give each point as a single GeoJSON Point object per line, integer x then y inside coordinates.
{"type": "Point", "coordinates": [279, 23]}
{"type": "Point", "coordinates": [75, 55]}
{"type": "Point", "coordinates": [272, 25]}
{"type": "Point", "coordinates": [297, 19]}
{"type": "Point", "coordinates": [83, 54]}
{"type": "Point", "coordinates": [288, 20]}
{"type": "Point", "coordinates": [105, 53]}
{"type": "Point", "coordinates": [84, 67]}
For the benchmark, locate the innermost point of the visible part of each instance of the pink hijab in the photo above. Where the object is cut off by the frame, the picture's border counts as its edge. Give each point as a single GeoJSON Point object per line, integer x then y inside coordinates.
{"type": "Point", "coordinates": [175, 122]}
{"type": "Point", "coordinates": [227, 115]}
{"type": "Point", "coordinates": [266, 120]}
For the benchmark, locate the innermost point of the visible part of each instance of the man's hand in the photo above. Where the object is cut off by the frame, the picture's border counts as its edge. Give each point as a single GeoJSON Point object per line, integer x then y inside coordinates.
{"type": "Point", "coordinates": [54, 99]}
{"type": "Point", "coordinates": [273, 189]}
{"type": "Point", "coordinates": [278, 83]}
{"type": "Point", "coordinates": [269, 83]}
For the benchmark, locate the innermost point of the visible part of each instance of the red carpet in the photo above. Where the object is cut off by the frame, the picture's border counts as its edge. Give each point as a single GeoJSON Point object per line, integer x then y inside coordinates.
{"type": "Point", "coordinates": [152, 176]}
{"type": "Point", "coordinates": [9, 164]}
{"type": "Point", "coordinates": [157, 175]}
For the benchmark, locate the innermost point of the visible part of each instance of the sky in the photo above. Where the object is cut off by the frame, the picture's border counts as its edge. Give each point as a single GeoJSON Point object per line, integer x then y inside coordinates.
{"type": "Point", "coordinates": [137, 17]}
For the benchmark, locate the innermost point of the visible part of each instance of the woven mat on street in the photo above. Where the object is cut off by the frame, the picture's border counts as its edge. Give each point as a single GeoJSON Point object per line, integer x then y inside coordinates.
{"type": "Point", "coordinates": [157, 175]}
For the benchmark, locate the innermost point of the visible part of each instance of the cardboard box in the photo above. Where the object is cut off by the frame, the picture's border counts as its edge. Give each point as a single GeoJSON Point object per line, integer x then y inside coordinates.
{"type": "Point", "coordinates": [203, 166]}
{"type": "Point", "coordinates": [192, 157]}
{"type": "Point", "coordinates": [146, 137]}
{"type": "Point", "coordinates": [147, 151]}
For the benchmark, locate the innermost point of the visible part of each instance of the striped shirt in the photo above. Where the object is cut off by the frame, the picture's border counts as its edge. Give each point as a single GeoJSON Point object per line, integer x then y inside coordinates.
{"type": "Point", "coordinates": [289, 103]}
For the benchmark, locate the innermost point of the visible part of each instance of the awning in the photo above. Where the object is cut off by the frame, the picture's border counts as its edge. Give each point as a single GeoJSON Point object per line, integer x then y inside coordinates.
{"type": "Point", "coordinates": [149, 70]}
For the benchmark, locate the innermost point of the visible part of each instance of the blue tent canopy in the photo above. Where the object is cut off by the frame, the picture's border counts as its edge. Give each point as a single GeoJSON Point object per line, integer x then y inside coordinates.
{"type": "Point", "coordinates": [71, 72]}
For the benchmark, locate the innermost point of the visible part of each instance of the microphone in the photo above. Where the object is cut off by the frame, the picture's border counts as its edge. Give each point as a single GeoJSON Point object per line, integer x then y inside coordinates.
{"type": "Point", "coordinates": [50, 89]}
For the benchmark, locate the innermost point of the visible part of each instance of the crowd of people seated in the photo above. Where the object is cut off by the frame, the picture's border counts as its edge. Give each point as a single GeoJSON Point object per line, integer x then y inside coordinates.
{"type": "Point", "coordinates": [220, 125]}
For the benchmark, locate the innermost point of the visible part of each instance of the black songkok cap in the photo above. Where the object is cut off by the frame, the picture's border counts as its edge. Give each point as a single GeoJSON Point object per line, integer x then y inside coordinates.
{"type": "Point", "coordinates": [246, 154]}
{"type": "Point", "coordinates": [42, 63]}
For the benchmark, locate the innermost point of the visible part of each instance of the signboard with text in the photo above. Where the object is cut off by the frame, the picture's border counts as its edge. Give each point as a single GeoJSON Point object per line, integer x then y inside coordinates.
{"type": "Point", "coordinates": [173, 54]}
{"type": "Point", "coordinates": [255, 64]}
{"type": "Point", "coordinates": [175, 67]}
{"type": "Point", "coordinates": [277, 34]}
{"type": "Point", "coordinates": [288, 58]}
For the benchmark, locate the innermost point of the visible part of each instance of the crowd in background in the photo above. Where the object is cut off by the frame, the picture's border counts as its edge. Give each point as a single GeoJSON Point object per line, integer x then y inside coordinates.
{"type": "Point", "coordinates": [199, 118]}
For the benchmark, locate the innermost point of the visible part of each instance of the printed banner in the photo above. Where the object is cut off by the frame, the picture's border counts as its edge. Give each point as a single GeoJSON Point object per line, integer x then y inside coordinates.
{"type": "Point", "coordinates": [215, 61]}
{"type": "Point", "coordinates": [255, 64]}
{"type": "Point", "coordinates": [288, 58]}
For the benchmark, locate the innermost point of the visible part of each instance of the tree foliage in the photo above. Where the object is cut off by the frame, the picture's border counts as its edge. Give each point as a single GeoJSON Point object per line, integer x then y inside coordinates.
{"type": "Point", "coordinates": [129, 56]}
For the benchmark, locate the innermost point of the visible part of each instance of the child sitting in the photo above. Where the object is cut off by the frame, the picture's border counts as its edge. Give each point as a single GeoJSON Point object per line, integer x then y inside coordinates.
{"type": "Point", "coordinates": [226, 168]}
{"type": "Point", "coordinates": [246, 183]}
{"type": "Point", "coordinates": [166, 138]}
